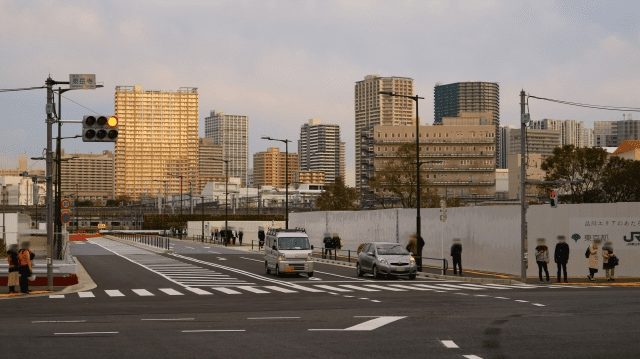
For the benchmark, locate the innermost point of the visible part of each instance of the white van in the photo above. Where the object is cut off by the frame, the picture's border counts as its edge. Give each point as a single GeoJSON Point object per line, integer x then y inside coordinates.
{"type": "Point", "coordinates": [287, 251]}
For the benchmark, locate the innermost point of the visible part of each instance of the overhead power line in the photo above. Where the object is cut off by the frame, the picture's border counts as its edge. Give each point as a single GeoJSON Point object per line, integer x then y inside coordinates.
{"type": "Point", "coordinates": [599, 107]}
{"type": "Point", "coordinates": [22, 89]}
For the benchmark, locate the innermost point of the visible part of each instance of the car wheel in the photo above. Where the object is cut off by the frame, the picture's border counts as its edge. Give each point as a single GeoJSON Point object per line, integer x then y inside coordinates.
{"type": "Point", "coordinates": [412, 276]}
{"type": "Point", "coordinates": [376, 274]}
{"type": "Point", "coordinates": [310, 274]}
{"type": "Point", "coordinates": [266, 268]}
{"type": "Point", "coordinates": [359, 272]}
{"type": "Point", "coordinates": [277, 273]}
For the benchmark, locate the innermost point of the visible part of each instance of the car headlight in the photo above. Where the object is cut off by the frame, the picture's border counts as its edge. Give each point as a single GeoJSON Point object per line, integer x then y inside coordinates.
{"type": "Point", "coordinates": [384, 261]}
{"type": "Point", "coordinates": [412, 259]}
{"type": "Point", "coordinates": [282, 257]}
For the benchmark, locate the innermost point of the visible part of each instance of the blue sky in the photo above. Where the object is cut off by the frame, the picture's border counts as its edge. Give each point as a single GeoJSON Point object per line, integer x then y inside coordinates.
{"type": "Point", "coordinates": [283, 62]}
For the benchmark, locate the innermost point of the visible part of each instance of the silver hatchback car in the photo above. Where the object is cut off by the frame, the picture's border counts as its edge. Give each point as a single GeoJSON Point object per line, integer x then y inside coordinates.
{"type": "Point", "coordinates": [380, 259]}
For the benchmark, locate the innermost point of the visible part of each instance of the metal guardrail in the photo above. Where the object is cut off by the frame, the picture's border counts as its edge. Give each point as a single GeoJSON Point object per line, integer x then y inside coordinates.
{"type": "Point", "coordinates": [149, 240]}
{"type": "Point", "coordinates": [332, 252]}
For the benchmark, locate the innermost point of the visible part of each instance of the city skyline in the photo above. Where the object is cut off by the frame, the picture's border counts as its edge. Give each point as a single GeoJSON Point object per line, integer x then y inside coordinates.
{"type": "Point", "coordinates": [281, 63]}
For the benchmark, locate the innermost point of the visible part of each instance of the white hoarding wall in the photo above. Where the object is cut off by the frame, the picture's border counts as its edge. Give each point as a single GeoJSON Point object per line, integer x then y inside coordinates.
{"type": "Point", "coordinates": [249, 228]}
{"type": "Point", "coordinates": [491, 235]}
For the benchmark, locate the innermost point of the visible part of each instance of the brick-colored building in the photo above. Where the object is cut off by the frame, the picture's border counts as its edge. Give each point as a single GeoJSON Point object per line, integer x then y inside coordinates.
{"type": "Point", "coordinates": [269, 168]}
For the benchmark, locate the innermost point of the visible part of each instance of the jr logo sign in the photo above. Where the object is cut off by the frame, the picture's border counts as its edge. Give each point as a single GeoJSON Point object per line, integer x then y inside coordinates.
{"type": "Point", "coordinates": [634, 235]}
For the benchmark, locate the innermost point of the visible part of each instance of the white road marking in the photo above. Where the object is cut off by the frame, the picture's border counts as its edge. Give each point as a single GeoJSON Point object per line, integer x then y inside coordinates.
{"type": "Point", "coordinates": [307, 289]}
{"type": "Point", "coordinates": [433, 287]}
{"type": "Point", "coordinates": [364, 298]}
{"type": "Point", "coordinates": [114, 293]}
{"type": "Point", "coordinates": [84, 333]}
{"type": "Point", "coordinates": [315, 278]}
{"type": "Point", "coordinates": [56, 296]}
{"type": "Point", "coordinates": [58, 321]}
{"type": "Point", "coordinates": [480, 295]}
{"type": "Point", "coordinates": [501, 298]}
{"type": "Point", "coordinates": [375, 301]}
{"type": "Point", "coordinates": [86, 295]}
{"type": "Point", "coordinates": [168, 319]}
{"type": "Point", "coordinates": [259, 318]}
{"type": "Point", "coordinates": [341, 276]}
{"type": "Point", "coordinates": [458, 287]}
{"type": "Point", "coordinates": [385, 288]}
{"type": "Point", "coordinates": [369, 325]}
{"type": "Point", "coordinates": [207, 247]}
{"type": "Point", "coordinates": [408, 287]}
{"type": "Point", "coordinates": [198, 291]}
{"type": "Point", "coordinates": [280, 289]}
{"type": "Point", "coordinates": [170, 291]}
{"type": "Point", "coordinates": [496, 286]}
{"type": "Point", "coordinates": [449, 344]}
{"type": "Point", "coordinates": [538, 305]}
{"type": "Point", "coordinates": [360, 288]}
{"type": "Point", "coordinates": [471, 357]}
{"type": "Point", "coordinates": [474, 286]}
{"type": "Point", "coordinates": [522, 301]}
{"type": "Point", "coordinates": [222, 259]}
{"type": "Point", "coordinates": [143, 292]}
{"type": "Point", "coordinates": [461, 293]}
{"type": "Point", "coordinates": [252, 259]}
{"type": "Point", "coordinates": [328, 287]}
{"type": "Point", "coordinates": [226, 290]}
{"type": "Point", "coordinates": [253, 290]}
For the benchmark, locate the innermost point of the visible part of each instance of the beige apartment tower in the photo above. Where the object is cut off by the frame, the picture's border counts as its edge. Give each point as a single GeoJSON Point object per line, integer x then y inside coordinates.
{"type": "Point", "coordinates": [157, 147]}
{"type": "Point", "coordinates": [373, 109]}
{"type": "Point", "coordinates": [210, 168]}
{"type": "Point", "coordinates": [269, 168]}
{"type": "Point", "coordinates": [88, 176]}
{"type": "Point", "coordinates": [232, 133]}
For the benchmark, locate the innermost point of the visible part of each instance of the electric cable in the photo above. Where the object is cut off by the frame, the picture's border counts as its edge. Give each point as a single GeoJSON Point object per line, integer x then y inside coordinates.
{"type": "Point", "coordinates": [599, 107]}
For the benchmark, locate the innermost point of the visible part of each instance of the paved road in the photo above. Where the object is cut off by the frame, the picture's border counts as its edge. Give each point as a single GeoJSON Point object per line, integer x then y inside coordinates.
{"type": "Point", "coordinates": [195, 303]}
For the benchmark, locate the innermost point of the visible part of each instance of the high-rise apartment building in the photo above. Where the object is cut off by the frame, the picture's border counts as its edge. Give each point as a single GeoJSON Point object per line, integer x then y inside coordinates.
{"type": "Point", "coordinates": [373, 109]}
{"type": "Point", "coordinates": [88, 176]}
{"type": "Point", "coordinates": [571, 131]}
{"type": "Point", "coordinates": [232, 133]}
{"type": "Point", "coordinates": [321, 150]}
{"type": "Point", "coordinates": [157, 146]}
{"type": "Point", "coordinates": [502, 158]}
{"type": "Point", "coordinates": [269, 168]}
{"type": "Point", "coordinates": [588, 138]}
{"type": "Point", "coordinates": [465, 146]}
{"type": "Point", "coordinates": [542, 142]}
{"type": "Point", "coordinates": [470, 96]}
{"type": "Point", "coordinates": [210, 168]}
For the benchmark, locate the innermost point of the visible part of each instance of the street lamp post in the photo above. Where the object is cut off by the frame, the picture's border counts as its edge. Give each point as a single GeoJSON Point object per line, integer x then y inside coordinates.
{"type": "Point", "coordinates": [180, 190]}
{"type": "Point", "coordinates": [165, 193]}
{"type": "Point", "coordinates": [202, 205]}
{"type": "Point", "coordinates": [414, 98]}
{"type": "Point", "coordinates": [286, 177]}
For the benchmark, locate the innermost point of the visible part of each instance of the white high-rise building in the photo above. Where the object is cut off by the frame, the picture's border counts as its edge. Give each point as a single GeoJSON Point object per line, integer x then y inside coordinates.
{"type": "Point", "coordinates": [502, 156]}
{"type": "Point", "coordinates": [571, 131]}
{"type": "Point", "coordinates": [588, 138]}
{"type": "Point", "coordinates": [320, 150]}
{"type": "Point", "coordinates": [373, 109]}
{"type": "Point", "coordinates": [231, 132]}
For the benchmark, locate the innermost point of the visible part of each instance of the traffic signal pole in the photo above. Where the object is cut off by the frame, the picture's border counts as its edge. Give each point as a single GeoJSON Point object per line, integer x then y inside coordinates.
{"type": "Point", "coordinates": [49, 176]}
{"type": "Point", "coordinates": [523, 189]}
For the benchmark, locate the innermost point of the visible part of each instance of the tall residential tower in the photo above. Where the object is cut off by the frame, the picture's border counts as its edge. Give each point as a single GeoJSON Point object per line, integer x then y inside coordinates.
{"type": "Point", "coordinates": [232, 133]}
{"type": "Point", "coordinates": [320, 150]}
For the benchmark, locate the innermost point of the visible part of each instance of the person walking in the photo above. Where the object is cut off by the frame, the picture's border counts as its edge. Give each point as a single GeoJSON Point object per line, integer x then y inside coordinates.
{"type": "Point", "coordinates": [607, 264]}
{"type": "Point", "coordinates": [593, 260]}
{"type": "Point", "coordinates": [14, 275]}
{"type": "Point", "coordinates": [25, 266]}
{"type": "Point", "coordinates": [415, 246]}
{"type": "Point", "coordinates": [240, 234]}
{"type": "Point", "coordinates": [456, 255]}
{"type": "Point", "coordinates": [328, 245]}
{"type": "Point", "coordinates": [561, 257]}
{"type": "Point", "coordinates": [542, 258]}
{"type": "Point", "coordinates": [337, 244]}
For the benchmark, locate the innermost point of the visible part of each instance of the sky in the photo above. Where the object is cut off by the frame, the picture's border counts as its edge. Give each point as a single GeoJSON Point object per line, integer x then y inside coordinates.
{"type": "Point", "coordinates": [284, 62]}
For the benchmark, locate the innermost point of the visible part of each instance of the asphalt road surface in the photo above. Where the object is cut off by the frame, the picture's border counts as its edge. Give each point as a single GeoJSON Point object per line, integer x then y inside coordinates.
{"type": "Point", "coordinates": [212, 302]}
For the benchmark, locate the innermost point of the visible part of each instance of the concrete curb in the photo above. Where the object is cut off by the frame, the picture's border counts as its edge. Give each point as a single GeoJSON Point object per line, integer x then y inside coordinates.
{"type": "Point", "coordinates": [85, 282]}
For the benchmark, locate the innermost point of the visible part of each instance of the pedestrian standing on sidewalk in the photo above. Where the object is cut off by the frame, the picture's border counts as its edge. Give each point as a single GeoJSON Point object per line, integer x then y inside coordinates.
{"type": "Point", "coordinates": [456, 255]}
{"type": "Point", "coordinates": [415, 246]}
{"type": "Point", "coordinates": [607, 265]}
{"type": "Point", "coordinates": [561, 257]}
{"type": "Point", "coordinates": [25, 266]}
{"type": "Point", "coordinates": [593, 260]}
{"type": "Point", "coordinates": [542, 258]}
{"type": "Point", "coordinates": [14, 275]}
{"type": "Point", "coordinates": [240, 234]}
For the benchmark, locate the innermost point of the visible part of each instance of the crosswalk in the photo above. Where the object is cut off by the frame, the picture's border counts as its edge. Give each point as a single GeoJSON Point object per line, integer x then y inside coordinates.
{"type": "Point", "coordinates": [292, 288]}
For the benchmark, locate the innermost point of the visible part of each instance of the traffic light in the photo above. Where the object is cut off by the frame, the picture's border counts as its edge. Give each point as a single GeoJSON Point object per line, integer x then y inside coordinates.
{"type": "Point", "coordinates": [553, 197]}
{"type": "Point", "coordinates": [99, 129]}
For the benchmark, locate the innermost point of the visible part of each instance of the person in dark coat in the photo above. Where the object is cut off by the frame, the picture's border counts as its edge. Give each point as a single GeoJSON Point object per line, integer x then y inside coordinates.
{"type": "Point", "coordinates": [415, 246]}
{"type": "Point", "coordinates": [14, 275]}
{"type": "Point", "coordinates": [328, 244]}
{"type": "Point", "coordinates": [609, 269]}
{"type": "Point", "coordinates": [260, 237]}
{"type": "Point", "coordinates": [240, 234]}
{"type": "Point", "coordinates": [456, 255]}
{"type": "Point", "coordinates": [25, 268]}
{"type": "Point", "coordinates": [561, 257]}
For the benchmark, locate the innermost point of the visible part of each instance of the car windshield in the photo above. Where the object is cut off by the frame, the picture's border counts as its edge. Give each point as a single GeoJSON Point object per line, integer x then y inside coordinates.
{"type": "Point", "coordinates": [293, 243]}
{"type": "Point", "coordinates": [391, 249]}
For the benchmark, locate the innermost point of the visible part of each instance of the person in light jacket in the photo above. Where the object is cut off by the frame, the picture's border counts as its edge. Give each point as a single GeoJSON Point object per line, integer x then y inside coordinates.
{"type": "Point", "coordinates": [593, 260]}
{"type": "Point", "coordinates": [14, 276]}
{"type": "Point", "coordinates": [542, 258]}
{"type": "Point", "coordinates": [607, 252]}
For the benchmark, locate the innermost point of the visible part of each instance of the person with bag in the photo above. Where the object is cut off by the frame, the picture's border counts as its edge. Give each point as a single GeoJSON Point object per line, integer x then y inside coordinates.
{"type": "Point", "coordinates": [25, 266]}
{"type": "Point", "coordinates": [542, 258]}
{"type": "Point", "coordinates": [561, 257]}
{"type": "Point", "coordinates": [456, 255]}
{"type": "Point", "coordinates": [593, 259]}
{"type": "Point", "coordinates": [14, 275]}
{"type": "Point", "coordinates": [608, 259]}
{"type": "Point", "coordinates": [328, 245]}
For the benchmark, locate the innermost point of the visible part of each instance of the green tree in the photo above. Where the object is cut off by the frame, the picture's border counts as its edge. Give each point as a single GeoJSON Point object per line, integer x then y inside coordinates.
{"type": "Point", "coordinates": [620, 180]}
{"type": "Point", "coordinates": [569, 163]}
{"type": "Point", "coordinates": [337, 197]}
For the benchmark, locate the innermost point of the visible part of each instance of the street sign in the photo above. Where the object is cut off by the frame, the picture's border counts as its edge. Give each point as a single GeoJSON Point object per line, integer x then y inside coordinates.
{"type": "Point", "coordinates": [443, 204]}
{"type": "Point", "coordinates": [443, 217]}
{"type": "Point", "coordinates": [65, 203]}
{"type": "Point", "coordinates": [82, 81]}
{"type": "Point", "coordinates": [102, 225]}
{"type": "Point", "coordinates": [65, 217]}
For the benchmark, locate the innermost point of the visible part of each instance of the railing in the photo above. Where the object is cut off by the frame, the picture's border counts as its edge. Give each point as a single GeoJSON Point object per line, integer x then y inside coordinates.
{"type": "Point", "coordinates": [149, 240]}
{"type": "Point", "coordinates": [339, 255]}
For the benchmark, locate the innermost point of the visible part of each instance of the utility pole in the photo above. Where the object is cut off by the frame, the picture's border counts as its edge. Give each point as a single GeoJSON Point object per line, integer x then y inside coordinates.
{"type": "Point", "coordinates": [524, 118]}
{"type": "Point", "coordinates": [49, 175]}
